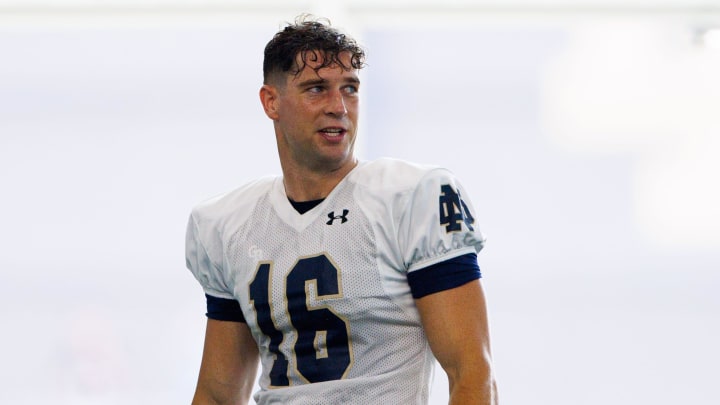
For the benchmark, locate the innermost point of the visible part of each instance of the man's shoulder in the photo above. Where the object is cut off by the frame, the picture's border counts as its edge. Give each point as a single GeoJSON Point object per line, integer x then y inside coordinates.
{"type": "Point", "coordinates": [393, 174]}
{"type": "Point", "coordinates": [241, 199]}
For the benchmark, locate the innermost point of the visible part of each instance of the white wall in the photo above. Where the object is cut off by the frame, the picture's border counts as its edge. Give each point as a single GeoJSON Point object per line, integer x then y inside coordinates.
{"type": "Point", "coordinates": [600, 291]}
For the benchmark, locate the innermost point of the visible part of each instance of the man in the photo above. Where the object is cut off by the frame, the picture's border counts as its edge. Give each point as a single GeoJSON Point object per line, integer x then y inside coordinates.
{"type": "Point", "coordinates": [342, 277]}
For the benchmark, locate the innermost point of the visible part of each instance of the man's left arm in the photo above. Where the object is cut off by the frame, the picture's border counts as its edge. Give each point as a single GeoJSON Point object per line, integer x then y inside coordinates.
{"type": "Point", "coordinates": [456, 324]}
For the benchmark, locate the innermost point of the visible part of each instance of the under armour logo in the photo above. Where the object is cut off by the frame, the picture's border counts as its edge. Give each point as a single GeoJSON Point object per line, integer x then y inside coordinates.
{"type": "Point", "coordinates": [333, 217]}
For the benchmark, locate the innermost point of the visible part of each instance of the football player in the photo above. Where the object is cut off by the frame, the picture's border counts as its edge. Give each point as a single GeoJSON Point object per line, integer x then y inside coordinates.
{"type": "Point", "coordinates": [345, 279]}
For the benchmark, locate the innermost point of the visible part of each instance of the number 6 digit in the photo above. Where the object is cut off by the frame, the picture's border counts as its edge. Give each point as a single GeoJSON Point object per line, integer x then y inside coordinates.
{"type": "Point", "coordinates": [322, 348]}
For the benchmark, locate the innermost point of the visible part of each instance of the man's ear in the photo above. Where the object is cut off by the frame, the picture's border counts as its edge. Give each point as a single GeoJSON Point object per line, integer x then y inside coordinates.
{"type": "Point", "coordinates": [269, 99]}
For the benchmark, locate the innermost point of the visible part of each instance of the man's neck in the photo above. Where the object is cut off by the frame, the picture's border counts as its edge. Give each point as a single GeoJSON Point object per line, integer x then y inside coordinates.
{"type": "Point", "coordinates": [307, 185]}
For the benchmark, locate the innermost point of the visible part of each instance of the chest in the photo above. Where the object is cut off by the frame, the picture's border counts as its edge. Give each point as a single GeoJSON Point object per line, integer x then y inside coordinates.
{"type": "Point", "coordinates": [281, 270]}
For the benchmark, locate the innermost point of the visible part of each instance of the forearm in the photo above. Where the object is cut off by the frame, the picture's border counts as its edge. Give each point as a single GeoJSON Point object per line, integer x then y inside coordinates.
{"type": "Point", "coordinates": [476, 390]}
{"type": "Point", "coordinates": [221, 394]}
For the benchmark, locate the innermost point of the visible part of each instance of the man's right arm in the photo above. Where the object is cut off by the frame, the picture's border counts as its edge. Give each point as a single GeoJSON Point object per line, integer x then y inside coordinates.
{"type": "Point", "coordinates": [229, 364]}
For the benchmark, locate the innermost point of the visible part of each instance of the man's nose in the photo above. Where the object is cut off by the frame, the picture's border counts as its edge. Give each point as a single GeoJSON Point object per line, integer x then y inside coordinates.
{"type": "Point", "coordinates": [336, 104]}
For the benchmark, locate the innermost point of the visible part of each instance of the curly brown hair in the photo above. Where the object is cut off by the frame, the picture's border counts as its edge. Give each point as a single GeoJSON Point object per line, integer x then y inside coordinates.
{"type": "Point", "coordinates": [313, 39]}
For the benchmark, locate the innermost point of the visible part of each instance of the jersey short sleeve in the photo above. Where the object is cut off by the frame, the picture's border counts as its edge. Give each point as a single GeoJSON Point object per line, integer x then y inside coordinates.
{"type": "Point", "coordinates": [438, 235]}
{"type": "Point", "coordinates": [199, 245]}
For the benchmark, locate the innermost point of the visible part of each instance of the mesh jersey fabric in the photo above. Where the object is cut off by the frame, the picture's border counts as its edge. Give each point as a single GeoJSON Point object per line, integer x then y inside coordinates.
{"type": "Point", "coordinates": [326, 293]}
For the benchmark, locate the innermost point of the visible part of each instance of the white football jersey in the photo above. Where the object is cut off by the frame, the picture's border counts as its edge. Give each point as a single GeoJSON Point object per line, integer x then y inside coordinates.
{"type": "Point", "coordinates": [326, 294]}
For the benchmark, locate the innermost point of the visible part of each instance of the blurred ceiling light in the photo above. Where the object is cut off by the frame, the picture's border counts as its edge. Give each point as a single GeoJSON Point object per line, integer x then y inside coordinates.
{"type": "Point", "coordinates": [640, 89]}
{"type": "Point", "coordinates": [611, 89]}
{"type": "Point", "coordinates": [710, 38]}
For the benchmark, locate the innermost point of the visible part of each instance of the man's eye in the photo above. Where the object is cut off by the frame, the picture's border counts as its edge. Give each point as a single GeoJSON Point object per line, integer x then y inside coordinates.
{"type": "Point", "coordinates": [351, 89]}
{"type": "Point", "coordinates": [315, 89]}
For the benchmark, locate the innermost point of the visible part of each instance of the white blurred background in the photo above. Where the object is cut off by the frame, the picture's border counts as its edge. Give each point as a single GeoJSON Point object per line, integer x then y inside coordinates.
{"type": "Point", "coordinates": [586, 132]}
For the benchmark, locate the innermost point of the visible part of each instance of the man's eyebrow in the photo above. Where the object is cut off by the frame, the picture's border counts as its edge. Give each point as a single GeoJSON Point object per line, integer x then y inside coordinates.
{"type": "Point", "coordinates": [311, 82]}
{"type": "Point", "coordinates": [316, 82]}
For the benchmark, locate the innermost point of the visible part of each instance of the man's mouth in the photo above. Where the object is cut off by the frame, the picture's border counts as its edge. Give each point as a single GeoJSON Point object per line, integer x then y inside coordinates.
{"type": "Point", "coordinates": [332, 131]}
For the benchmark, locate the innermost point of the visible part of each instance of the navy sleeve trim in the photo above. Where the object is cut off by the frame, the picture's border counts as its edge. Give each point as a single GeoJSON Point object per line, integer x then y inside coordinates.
{"type": "Point", "coordinates": [223, 309]}
{"type": "Point", "coordinates": [444, 275]}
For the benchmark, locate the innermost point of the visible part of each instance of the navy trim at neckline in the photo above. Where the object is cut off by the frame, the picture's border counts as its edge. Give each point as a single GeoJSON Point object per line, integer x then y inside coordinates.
{"type": "Point", "coordinates": [305, 206]}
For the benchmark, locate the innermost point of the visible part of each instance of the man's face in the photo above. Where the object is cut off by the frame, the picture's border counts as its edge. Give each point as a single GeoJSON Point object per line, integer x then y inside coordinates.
{"type": "Point", "coordinates": [317, 114]}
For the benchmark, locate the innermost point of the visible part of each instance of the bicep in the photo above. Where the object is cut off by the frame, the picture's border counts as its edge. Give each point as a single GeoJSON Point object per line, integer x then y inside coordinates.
{"type": "Point", "coordinates": [229, 364]}
{"type": "Point", "coordinates": [456, 325]}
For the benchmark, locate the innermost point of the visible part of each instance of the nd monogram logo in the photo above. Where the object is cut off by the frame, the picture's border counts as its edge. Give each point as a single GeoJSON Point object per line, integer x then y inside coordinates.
{"type": "Point", "coordinates": [453, 210]}
{"type": "Point", "coordinates": [333, 217]}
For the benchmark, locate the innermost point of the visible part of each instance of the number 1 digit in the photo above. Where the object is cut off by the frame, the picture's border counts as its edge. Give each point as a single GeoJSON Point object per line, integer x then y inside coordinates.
{"type": "Point", "coordinates": [259, 299]}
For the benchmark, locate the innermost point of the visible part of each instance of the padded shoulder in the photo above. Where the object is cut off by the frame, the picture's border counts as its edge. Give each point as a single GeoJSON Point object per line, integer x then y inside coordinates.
{"type": "Point", "coordinates": [391, 175]}
{"type": "Point", "coordinates": [215, 212]}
